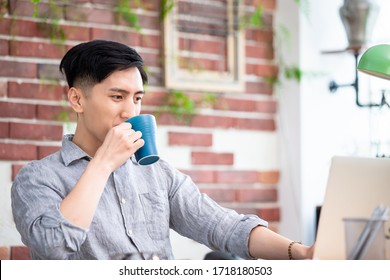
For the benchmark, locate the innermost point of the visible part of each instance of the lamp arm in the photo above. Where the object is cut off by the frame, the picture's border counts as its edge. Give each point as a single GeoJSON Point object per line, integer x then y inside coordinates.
{"type": "Point", "coordinates": [356, 87]}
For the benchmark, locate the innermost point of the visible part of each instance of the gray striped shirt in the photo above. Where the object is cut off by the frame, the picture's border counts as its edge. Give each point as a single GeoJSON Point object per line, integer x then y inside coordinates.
{"type": "Point", "coordinates": [136, 210]}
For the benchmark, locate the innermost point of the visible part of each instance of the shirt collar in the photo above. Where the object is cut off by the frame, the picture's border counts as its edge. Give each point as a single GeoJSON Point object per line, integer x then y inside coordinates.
{"type": "Point", "coordinates": [70, 151]}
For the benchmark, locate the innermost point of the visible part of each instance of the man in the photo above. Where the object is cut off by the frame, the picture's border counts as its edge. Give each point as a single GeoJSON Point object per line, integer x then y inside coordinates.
{"type": "Point", "coordinates": [91, 200]}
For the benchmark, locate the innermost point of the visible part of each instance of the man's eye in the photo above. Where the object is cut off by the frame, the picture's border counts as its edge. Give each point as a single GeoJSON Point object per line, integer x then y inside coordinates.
{"type": "Point", "coordinates": [138, 99]}
{"type": "Point", "coordinates": [117, 97]}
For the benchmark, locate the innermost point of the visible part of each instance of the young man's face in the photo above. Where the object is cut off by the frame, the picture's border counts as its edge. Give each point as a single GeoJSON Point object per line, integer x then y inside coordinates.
{"type": "Point", "coordinates": [110, 103]}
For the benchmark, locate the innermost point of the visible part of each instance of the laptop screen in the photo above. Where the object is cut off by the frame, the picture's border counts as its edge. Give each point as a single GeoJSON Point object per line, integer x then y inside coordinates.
{"type": "Point", "coordinates": [356, 186]}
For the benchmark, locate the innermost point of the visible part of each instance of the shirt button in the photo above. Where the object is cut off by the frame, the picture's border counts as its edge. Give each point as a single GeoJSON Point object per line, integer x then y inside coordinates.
{"type": "Point", "coordinates": [130, 232]}
{"type": "Point", "coordinates": [123, 201]}
{"type": "Point", "coordinates": [155, 258]}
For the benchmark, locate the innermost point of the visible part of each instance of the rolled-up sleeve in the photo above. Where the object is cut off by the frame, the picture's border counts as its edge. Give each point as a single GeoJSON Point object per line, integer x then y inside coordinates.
{"type": "Point", "coordinates": [35, 207]}
{"type": "Point", "coordinates": [197, 216]}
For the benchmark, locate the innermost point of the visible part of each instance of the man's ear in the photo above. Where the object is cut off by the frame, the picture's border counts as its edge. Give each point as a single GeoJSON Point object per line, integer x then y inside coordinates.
{"type": "Point", "coordinates": [74, 97]}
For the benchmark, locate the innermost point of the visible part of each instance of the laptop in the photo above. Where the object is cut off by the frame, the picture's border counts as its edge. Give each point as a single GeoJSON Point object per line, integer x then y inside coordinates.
{"type": "Point", "coordinates": [356, 186]}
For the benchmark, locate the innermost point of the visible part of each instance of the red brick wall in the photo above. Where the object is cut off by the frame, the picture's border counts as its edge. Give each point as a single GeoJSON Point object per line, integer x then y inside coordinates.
{"type": "Point", "coordinates": [32, 96]}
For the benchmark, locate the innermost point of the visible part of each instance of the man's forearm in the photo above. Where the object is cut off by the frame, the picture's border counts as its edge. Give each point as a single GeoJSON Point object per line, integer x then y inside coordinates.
{"type": "Point", "coordinates": [79, 206]}
{"type": "Point", "coordinates": [266, 244]}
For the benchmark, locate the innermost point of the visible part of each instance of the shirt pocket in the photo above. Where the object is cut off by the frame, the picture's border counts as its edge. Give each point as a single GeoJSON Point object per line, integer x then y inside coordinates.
{"type": "Point", "coordinates": [156, 210]}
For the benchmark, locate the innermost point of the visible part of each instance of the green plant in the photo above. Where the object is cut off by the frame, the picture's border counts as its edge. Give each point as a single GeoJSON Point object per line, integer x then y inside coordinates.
{"type": "Point", "coordinates": [182, 106]}
{"type": "Point", "coordinates": [124, 11]}
{"type": "Point", "coordinates": [166, 7]}
{"type": "Point", "coordinates": [254, 19]}
{"type": "Point", "coordinates": [50, 23]}
{"type": "Point", "coordinates": [3, 8]}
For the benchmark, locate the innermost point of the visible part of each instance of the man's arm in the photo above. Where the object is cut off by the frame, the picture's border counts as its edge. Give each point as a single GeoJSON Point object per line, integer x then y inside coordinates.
{"type": "Point", "coordinates": [266, 244]}
{"type": "Point", "coordinates": [79, 206]}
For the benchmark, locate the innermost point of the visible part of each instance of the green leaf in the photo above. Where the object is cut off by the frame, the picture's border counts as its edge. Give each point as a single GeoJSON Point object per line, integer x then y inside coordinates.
{"type": "Point", "coordinates": [166, 8]}
{"type": "Point", "coordinates": [256, 19]}
{"type": "Point", "coordinates": [293, 73]}
{"type": "Point", "coordinates": [36, 6]}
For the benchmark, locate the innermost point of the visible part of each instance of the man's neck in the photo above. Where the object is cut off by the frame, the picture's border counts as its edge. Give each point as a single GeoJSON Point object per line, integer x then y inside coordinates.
{"type": "Point", "coordinates": [88, 145]}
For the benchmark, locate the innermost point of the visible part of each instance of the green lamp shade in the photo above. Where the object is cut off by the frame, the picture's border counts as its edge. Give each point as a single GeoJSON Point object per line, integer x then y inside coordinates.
{"type": "Point", "coordinates": [376, 61]}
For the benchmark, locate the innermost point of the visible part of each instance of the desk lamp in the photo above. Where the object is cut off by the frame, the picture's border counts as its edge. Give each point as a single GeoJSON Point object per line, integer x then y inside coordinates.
{"type": "Point", "coordinates": [375, 61]}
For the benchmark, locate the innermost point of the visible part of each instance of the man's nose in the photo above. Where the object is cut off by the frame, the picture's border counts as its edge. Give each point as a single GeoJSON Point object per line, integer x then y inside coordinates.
{"type": "Point", "coordinates": [128, 110]}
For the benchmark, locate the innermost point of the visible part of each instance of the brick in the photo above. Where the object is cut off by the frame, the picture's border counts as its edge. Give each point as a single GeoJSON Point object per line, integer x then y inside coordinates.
{"type": "Point", "coordinates": [150, 41]}
{"type": "Point", "coordinates": [202, 9]}
{"type": "Point", "coordinates": [165, 118]}
{"type": "Point", "coordinates": [144, 22]}
{"type": "Point", "coordinates": [150, 22]}
{"type": "Point", "coordinates": [18, 69]}
{"type": "Point", "coordinates": [259, 51]}
{"type": "Point", "coordinates": [27, 28]}
{"type": "Point", "coordinates": [40, 29]}
{"type": "Point", "coordinates": [76, 33]}
{"type": "Point", "coordinates": [259, 88]}
{"type": "Point", "coordinates": [256, 195]}
{"type": "Point", "coordinates": [220, 195]}
{"type": "Point", "coordinates": [17, 110]}
{"type": "Point", "coordinates": [126, 37]}
{"type": "Point", "coordinates": [35, 131]}
{"type": "Point", "coordinates": [26, 8]}
{"type": "Point", "coordinates": [266, 106]}
{"type": "Point", "coordinates": [269, 214]}
{"type": "Point", "coordinates": [255, 124]}
{"type": "Point", "coordinates": [49, 72]}
{"type": "Point", "coordinates": [89, 14]}
{"type": "Point", "coordinates": [4, 49]}
{"type": "Point", "coordinates": [20, 253]}
{"type": "Point", "coordinates": [210, 158]}
{"type": "Point", "coordinates": [236, 177]}
{"type": "Point", "coordinates": [269, 177]}
{"type": "Point", "coordinates": [152, 59]}
{"type": "Point", "coordinates": [36, 91]}
{"type": "Point", "coordinates": [17, 151]}
{"type": "Point", "coordinates": [155, 98]}
{"type": "Point", "coordinates": [200, 176]}
{"type": "Point", "coordinates": [203, 46]}
{"type": "Point", "coordinates": [44, 151]}
{"type": "Point", "coordinates": [235, 104]}
{"type": "Point", "coordinates": [5, 253]}
{"type": "Point", "coordinates": [259, 35]}
{"type": "Point", "coordinates": [32, 49]}
{"type": "Point", "coordinates": [213, 121]}
{"type": "Point", "coordinates": [3, 89]}
{"type": "Point", "coordinates": [266, 4]}
{"type": "Point", "coordinates": [266, 70]}
{"type": "Point", "coordinates": [56, 113]}
{"type": "Point", "coordinates": [5, 25]}
{"type": "Point", "coordinates": [190, 139]}
{"type": "Point", "coordinates": [263, 106]}
{"type": "Point", "coordinates": [203, 64]}
{"type": "Point", "coordinates": [4, 129]}
{"type": "Point", "coordinates": [261, 70]}
{"type": "Point", "coordinates": [15, 170]}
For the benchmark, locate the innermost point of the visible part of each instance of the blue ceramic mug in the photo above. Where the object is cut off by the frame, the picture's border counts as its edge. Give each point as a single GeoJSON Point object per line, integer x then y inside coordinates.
{"type": "Point", "coordinates": [145, 123]}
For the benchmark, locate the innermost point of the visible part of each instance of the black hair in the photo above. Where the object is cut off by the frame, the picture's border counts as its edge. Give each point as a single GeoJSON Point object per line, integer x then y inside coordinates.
{"type": "Point", "coordinates": [91, 62]}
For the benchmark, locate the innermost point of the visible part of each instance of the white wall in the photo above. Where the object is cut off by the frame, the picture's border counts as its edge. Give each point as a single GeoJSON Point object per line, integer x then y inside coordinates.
{"type": "Point", "coordinates": [316, 125]}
